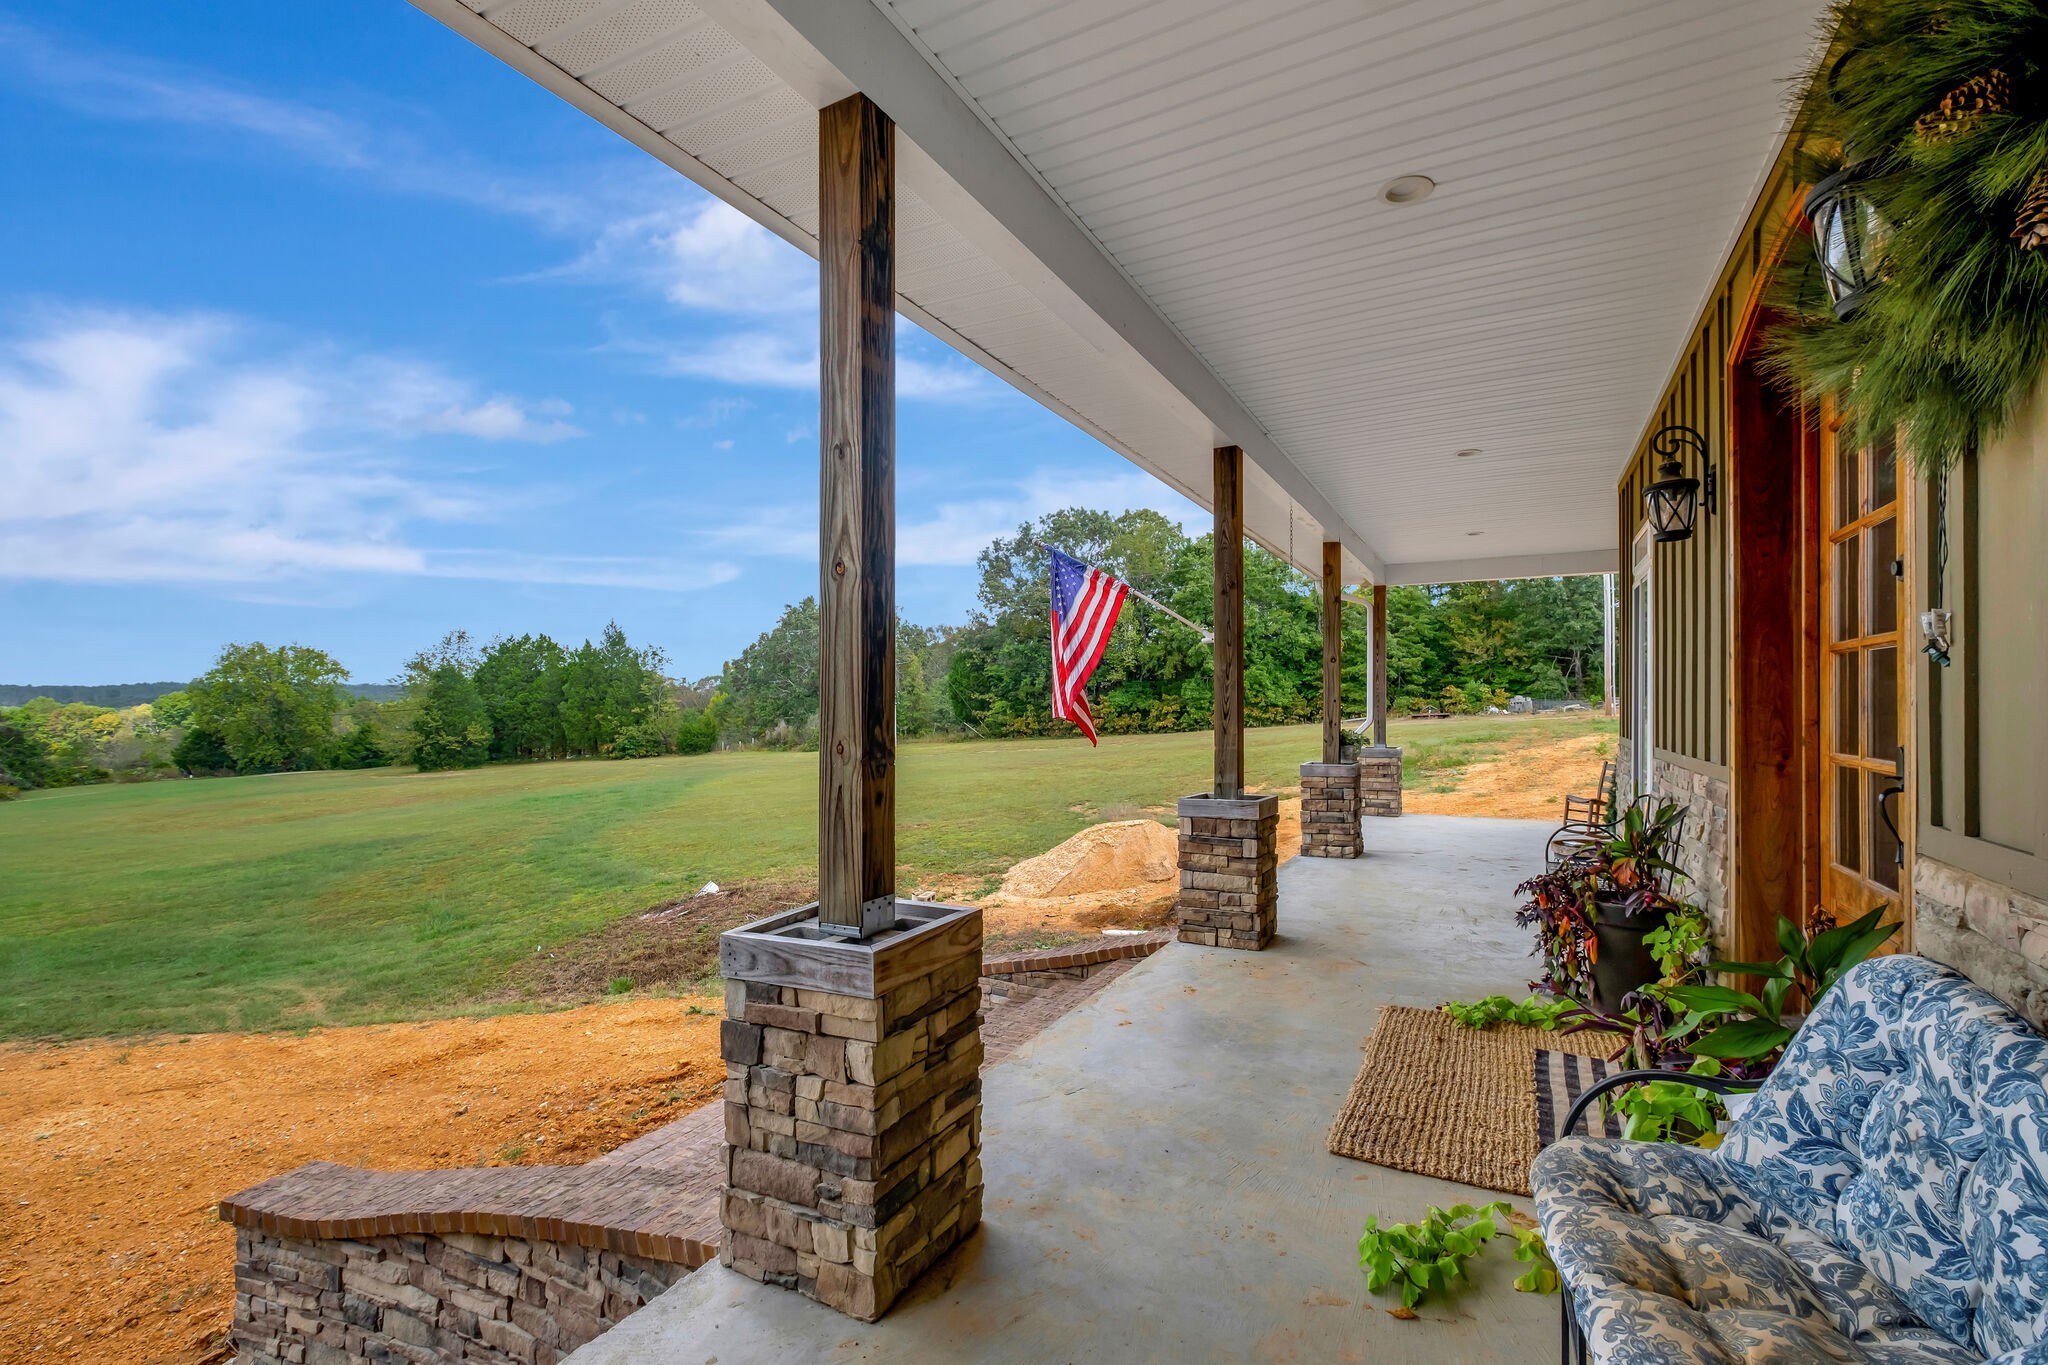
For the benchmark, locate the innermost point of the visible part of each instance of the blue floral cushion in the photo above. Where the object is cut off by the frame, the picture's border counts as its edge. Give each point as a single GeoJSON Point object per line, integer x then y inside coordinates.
{"type": "Point", "coordinates": [1883, 1198]}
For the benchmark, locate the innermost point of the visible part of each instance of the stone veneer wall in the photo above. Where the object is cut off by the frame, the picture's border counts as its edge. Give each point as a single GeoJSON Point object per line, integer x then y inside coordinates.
{"type": "Point", "coordinates": [1996, 936]}
{"type": "Point", "coordinates": [1229, 871]}
{"type": "Point", "coordinates": [1379, 782]}
{"type": "Point", "coordinates": [1329, 811]}
{"type": "Point", "coordinates": [1703, 838]}
{"type": "Point", "coordinates": [853, 1132]}
{"type": "Point", "coordinates": [430, 1298]}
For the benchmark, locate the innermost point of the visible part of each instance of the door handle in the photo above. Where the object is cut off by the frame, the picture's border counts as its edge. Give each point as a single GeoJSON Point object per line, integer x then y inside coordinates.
{"type": "Point", "coordinates": [1884, 810]}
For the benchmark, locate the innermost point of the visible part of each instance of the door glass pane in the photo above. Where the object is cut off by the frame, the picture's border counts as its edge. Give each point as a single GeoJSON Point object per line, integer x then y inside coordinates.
{"type": "Point", "coordinates": [1884, 473]}
{"type": "Point", "coordinates": [1884, 845]}
{"type": "Point", "coordinates": [1848, 850]}
{"type": "Point", "coordinates": [1848, 702]}
{"type": "Point", "coordinates": [1884, 589]}
{"type": "Point", "coordinates": [1848, 485]}
{"type": "Point", "coordinates": [1884, 704]}
{"type": "Point", "coordinates": [1848, 589]}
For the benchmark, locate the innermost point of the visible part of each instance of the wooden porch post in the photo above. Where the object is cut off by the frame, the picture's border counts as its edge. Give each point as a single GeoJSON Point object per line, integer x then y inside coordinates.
{"type": "Point", "coordinates": [1379, 665]}
{"type": "Point", "coordinates": [1228, 615]}
{"type": "Point", "coordinates": [1333, 650]}
{"type": "Point", "coordinates": [856, 519]}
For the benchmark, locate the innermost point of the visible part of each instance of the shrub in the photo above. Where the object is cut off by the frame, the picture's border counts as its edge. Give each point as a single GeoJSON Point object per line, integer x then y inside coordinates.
{"type": "Point", "coordinates": [697, 733]}
{"type": "Point", "coordinates": [359, 748]}
{"type": "Point", "coordinates": [202, 753]}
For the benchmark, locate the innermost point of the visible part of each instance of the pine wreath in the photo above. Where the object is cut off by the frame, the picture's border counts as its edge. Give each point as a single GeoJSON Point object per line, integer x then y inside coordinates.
{"type": "Point", "coordinates": [1944, 106]}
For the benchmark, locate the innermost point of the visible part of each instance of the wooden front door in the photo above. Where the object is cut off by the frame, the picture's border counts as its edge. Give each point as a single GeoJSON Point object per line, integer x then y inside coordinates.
{"type": "Point", "coordinates": [1863, 809]}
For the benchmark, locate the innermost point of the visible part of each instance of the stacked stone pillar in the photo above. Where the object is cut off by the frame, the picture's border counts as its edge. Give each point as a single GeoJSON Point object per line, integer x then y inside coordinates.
{"type": "Point", "coordinates": [1379, 781]}
{"type": "Point", "coordinates": [1329, 811]}
{"type": "Point", "coordinates": [852, 1103]}
{"type": "Point", "coordinates": [1229, 866]}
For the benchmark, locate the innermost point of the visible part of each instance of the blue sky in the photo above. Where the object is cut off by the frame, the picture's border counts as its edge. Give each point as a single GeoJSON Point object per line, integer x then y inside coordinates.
{"type": "Point", "coordinates": [290, 351]}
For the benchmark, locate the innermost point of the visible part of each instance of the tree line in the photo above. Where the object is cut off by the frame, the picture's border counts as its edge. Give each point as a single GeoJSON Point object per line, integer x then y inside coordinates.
{"type": "Point", "coordinates": [262, 708]}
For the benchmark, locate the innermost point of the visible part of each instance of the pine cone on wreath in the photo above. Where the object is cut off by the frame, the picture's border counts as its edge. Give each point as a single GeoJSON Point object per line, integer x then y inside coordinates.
{"type": "Point", "coordinates": [1962, 106]}
{"type": "Point", "coordinates": [2032, 228]}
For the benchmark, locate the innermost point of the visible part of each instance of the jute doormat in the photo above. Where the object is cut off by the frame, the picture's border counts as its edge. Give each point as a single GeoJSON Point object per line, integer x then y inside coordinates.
{"type": "Point", "coordinates": [1452, 1102]}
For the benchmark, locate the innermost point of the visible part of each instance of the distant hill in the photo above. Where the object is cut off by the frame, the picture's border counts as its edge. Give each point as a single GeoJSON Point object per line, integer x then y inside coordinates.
{"type": "Point", "coordinates": [134, 694]}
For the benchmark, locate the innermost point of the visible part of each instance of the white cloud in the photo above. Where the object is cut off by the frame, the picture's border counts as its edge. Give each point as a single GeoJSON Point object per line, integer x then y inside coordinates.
{"type": "Point", "coordinates": [788, 359]}
{"type": "Point", "coordinates": [703, 254]}
{"type": "Point", "coordinates": [145, 448]}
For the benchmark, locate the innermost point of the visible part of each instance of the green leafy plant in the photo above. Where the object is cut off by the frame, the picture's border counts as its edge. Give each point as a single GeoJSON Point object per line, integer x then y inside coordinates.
{"type": "Point", "coordinates": [1680, 945]}
{"type": "Point", "coordinates": [1748, 1027]}
{"type": "Point", "coordinates": [1536, 1011]}
{"type": "Point", "coordinates": [1424, 1258]}
{"type": "Point", "coordinates": [1668, 1111]}
{"type": "Point", "coordinates": [620, 985]}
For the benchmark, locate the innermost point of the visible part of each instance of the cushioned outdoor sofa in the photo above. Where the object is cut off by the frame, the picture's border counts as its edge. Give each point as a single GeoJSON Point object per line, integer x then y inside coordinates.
{"type": "Point", "coordinates": [1884, 1197]}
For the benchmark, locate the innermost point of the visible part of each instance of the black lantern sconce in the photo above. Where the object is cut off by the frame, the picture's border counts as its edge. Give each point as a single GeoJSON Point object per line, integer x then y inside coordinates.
{"type": "Point", "coordinates": [1848, 237]}
{"type": "Point", "coordinates": [1674, 499]}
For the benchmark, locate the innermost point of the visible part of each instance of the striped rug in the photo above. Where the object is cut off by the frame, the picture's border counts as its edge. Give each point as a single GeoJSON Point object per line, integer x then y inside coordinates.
{"type": "Point", "coordinates": [1561, 1077]}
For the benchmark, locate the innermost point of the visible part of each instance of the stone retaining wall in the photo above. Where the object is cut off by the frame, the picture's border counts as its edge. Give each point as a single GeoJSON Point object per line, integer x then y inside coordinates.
{"type": "Point", "coordinates": [1379, 782]}
{"type": "Point", "coordinates": [341, 1266]}
{"type": "Point", "coordinates": [451, 1297]}
{"type": "Point", "coordinates": [1229, 883]}
{"type": "Point", "coordinates": [853, 1132]}
{"type": "Point", "coordinates": [1329, 811]}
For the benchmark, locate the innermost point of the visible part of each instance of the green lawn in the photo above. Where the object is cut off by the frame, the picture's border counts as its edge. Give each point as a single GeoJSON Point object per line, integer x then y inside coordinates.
{"type": "Point", "coordinates": [351, 897]}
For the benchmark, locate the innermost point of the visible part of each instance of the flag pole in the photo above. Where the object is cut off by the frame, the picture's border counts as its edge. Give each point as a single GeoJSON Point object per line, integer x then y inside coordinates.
{"type": "Point", "coordinates": [1151, 601]}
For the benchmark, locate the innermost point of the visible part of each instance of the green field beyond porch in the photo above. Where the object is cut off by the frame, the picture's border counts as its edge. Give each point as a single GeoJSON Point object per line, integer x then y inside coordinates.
{"type": "Point", "coordinates": [353, 897]}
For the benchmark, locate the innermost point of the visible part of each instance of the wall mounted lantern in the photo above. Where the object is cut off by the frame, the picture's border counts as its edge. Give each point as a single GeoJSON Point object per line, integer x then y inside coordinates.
{"type": "Point", "coordinates": [1848, 237]}
{"type": "Point", "coordinates": [1674, 499]}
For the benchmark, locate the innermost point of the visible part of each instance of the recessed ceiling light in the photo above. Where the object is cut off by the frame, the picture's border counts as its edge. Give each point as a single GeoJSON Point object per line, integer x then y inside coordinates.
{"type": "Point", "coordinates": [1407, 189]}
{"type": "Point", "coordinates": [1468, 452]}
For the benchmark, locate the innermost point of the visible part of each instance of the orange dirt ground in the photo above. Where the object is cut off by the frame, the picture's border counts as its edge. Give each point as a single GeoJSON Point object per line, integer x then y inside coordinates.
{"type": "Point", "coordinates": [1529, 784]}
{"type": "Point", "coordinates": [116, 1153]}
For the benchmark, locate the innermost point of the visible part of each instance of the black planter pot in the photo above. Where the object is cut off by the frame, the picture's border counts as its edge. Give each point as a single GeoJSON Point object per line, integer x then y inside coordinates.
{"type": "Point", "coordinates": [1623, 963]}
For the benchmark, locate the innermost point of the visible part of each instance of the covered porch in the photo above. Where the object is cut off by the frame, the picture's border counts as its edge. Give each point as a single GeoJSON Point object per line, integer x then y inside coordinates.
{"type": "Point", "coordinates": [1157, 1184]}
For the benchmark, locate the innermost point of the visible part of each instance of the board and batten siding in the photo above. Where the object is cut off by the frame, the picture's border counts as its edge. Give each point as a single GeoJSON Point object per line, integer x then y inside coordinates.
{"type": "Point", "coordinates": [1690, 580]}
{"type": "Point", "coordinates": [1983, 721]}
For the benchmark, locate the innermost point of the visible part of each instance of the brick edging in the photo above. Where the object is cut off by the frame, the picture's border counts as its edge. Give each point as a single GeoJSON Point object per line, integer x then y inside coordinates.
{"type": "Point", "coordinates": [1055, 959]}
{"type": "Point", "coordinates": [629, 1210]}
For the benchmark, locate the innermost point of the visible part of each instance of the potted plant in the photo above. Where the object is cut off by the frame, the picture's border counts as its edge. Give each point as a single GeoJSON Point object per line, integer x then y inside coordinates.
{"type": "Point", "coordinates": [1631, 876]}
{"type": "Point", "coordinates": [1596, 911]}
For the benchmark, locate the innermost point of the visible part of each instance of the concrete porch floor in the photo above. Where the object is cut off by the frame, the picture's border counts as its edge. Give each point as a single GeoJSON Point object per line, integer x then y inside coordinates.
{"type": "Point", "coordinates": [1157, 1184]}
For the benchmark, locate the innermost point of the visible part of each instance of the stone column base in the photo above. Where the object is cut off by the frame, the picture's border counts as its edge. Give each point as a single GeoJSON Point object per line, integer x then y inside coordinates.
{"type": "Point", "coordinates": [1229, 888]}
{"type": "Point", "coordinates": [1379, 781]}
{"type": "Point", "coordinates": [852, 1102]}
{"type": "Point", "coordinates": [1329, 811]}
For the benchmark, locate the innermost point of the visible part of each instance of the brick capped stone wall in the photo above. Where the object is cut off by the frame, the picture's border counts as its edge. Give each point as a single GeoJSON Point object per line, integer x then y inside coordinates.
{"type": "Point", "coordinates": [1996, 936]}
{"type": "Point", "coordinates": [1379, 782]}
{"type": "Point", "coordinates": [1229, 871]}
{"type": "Point", "coordinates": [853, 1131]}
{"type": "Point", "coordinates": [430, 1298]}
{"type": "Point", "coordinates": [1329, 811]}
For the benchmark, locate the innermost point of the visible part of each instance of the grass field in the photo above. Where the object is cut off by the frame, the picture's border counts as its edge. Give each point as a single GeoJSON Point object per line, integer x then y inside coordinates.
{"type": "Point", "coordinates": [353, 897]}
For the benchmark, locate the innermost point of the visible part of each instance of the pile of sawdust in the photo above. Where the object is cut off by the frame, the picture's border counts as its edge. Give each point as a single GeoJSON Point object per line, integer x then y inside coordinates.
{"type": "Point", "coordinates": [118, 1152]}
{"type": "Point", "coordinates": [1119, 856]}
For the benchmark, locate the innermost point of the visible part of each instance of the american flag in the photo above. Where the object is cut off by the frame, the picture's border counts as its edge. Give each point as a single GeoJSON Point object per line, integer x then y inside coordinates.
{"type": "Point", "coordinates": [1085, 603]}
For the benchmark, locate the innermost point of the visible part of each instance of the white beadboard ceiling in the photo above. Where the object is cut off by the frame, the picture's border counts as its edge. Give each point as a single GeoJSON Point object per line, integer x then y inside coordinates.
{"type": "Point", "coordinates": [1163, 219]}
